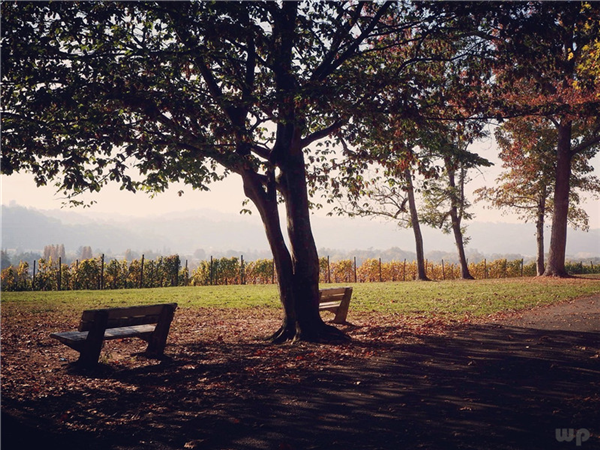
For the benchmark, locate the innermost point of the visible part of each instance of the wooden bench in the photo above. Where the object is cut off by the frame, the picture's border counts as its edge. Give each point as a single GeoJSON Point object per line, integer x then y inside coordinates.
{"type": "Point", "coordinates": [336, 300]}
{"type": "Point", "coordinates": [148, 322]}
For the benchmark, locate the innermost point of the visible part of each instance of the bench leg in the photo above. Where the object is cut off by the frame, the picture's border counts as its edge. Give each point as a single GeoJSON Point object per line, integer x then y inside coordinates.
{"type": "Point", "coordinates": [342, 312]}
{"type": "Point", "coordinates": [158, 340]}
{"type": "Point", "coordinates": [90, 353]}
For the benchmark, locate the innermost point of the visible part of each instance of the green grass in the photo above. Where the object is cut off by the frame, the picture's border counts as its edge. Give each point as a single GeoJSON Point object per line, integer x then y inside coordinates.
{"type": "Point", "coordinates": [233, 296]}
{"type": "Point", "coordinates": [478, 298]}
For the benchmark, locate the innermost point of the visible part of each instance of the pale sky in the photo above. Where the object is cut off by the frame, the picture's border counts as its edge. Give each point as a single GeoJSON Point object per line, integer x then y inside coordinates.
{"type": "Point", "coordinates": [225, 196]}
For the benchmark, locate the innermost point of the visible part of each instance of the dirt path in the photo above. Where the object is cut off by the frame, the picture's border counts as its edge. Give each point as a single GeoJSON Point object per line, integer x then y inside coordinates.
{"type": "Point", "coordinates": [575, 315]}
{"type": "Point", "coordinates": [505, 384]}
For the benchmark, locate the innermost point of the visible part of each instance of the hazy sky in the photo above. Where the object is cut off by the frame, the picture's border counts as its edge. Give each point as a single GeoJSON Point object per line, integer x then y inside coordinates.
{"type": "Point", "coordinates": [226, 196]}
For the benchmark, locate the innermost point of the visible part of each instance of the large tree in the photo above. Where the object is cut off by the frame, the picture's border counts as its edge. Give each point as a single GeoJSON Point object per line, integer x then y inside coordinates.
{"type": "Point", "coordinates": [148, 93]}
{"type": "Point", "coordinates": [540, 53]}
{"type": "Point", "coordinates": [388, 193]}
{"type": "Point", "coordinates": [540, 60]}
{"type": "Point", "coordinates": [527, 151]}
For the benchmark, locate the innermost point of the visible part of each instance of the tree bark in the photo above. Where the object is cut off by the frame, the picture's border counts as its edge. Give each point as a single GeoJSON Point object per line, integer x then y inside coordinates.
{"type": "Point", "coordinates": [307, 324]}
{"type": "Point", "coordinates": [558, 237]}
{"type": "Point", "coordinates": [414, 220]}
{"type": "Point", "coordinates": [460, 246]}
{"type": "Point", "coordinates": [297, 267]}
{"type": "Point", "coordinates": [455, 201]}
{"type": "Point", "coordinates": [539, 225]}
{"type": "Point", "coordinates": [265, 199]}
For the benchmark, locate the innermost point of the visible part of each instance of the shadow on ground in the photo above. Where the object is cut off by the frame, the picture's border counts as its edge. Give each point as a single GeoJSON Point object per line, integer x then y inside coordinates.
{"type": "Point", "coordinates": [483, 387]}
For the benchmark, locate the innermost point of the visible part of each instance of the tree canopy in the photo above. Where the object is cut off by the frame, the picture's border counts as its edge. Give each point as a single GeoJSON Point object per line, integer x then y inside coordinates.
{"type": "Point", "coordinates": [144, 94]}
{"type": "Point", "coordinates": [550, 78]}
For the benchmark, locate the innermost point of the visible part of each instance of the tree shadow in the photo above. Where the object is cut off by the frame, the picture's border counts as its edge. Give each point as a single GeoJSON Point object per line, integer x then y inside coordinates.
{"type": "Point", "coordinates": [481, 387]}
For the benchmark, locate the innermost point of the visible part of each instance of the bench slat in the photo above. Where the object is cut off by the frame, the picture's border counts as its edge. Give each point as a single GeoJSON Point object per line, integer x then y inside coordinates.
{"type": "Point", "coordinates": [336, 300]}
{"type": "Point", "coordinates": [110, 333]}
{"type": "Point", "coordinates": [119, 317]}
{"type": "Point", "coordinates": [148, 322]}
{"type": "Point", "coordinates": [333, 291]}
{"type": "Point", "coordinates": [326, 306]}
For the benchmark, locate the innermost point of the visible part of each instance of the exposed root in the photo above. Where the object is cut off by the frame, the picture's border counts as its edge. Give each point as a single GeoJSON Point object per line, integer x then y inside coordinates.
{"type": "Point", "coordinates": [284, 334]}
{"type": "Point", "coordinates": [555, 274]}
{"type": "Point", "coordinates": [325, 334]}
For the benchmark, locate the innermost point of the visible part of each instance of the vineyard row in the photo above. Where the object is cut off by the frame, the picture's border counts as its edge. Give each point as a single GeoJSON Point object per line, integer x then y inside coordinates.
{"type": "Point", "coordinates": [96, 273]}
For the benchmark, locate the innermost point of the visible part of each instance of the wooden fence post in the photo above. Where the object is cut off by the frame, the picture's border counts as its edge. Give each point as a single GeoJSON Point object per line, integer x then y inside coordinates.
{"type": "Point", "coordinates": [59, 272]}
{"type": "Point", "coordinates": [380, 278]}
{"type": "Point", "coordinates": [328, 270]}
{"type": "Point", "coordinates": [242, 274]}
{"type": "Point", "coordinates": [102, 272]}
{"type": "Point", "coordinates": [142, 273]}
{"type": "Point", "coordinates": [33, 279]}
{"type": "Point", "coordinates": [443, 271]}
{"type": "Point", "coordinates": [522, 264]}
{"type": "Point", "coordinates": [355, 277]}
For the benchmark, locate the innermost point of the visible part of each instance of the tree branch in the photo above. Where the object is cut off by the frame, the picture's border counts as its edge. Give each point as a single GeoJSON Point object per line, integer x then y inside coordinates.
{"type": "Point", "coordinates": [587, 143]}
{"type": "Point", "coordinates": [330, 64]}
{"type": "Point", "coordinates": [322, 133]}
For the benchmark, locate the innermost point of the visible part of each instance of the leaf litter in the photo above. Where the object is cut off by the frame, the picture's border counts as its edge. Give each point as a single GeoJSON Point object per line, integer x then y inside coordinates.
{"type": "Point", "coordinates": [215, 356]}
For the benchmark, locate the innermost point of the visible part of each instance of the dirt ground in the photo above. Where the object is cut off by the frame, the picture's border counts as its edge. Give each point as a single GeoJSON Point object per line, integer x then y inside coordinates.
{"type": "Point", "coordinates": [506, 382]}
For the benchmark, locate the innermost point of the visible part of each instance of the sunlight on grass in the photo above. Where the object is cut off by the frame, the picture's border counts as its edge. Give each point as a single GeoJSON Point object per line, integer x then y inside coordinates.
{"type": "Point", "coordinates": [478, 298]}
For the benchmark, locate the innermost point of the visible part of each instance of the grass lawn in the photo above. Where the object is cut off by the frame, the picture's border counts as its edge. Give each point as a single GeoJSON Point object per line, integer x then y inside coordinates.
{"type": "Point", "coordinates": [414, 360]}
{"type": "Point", "coordinates": [477, 298]}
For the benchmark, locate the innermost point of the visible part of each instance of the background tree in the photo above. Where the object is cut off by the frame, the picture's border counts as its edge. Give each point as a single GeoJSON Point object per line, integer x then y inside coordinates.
{"type": "Point", "coordinates": [390, 195]}
{"type": "Point", "coordinates": [540, 55]}
{"type": "Point", "coordinates": [146, 94]}
{"type": "Point", "coordinates": [445, 203]}
{"type": "Point", "coordinates": [527, 149]}
{"type": "Point", "coordinates": [53, 252]}
{"type": "Point", "coordinates": [85, 252]}
{"type": "Point", "coordinates": [401, 137]}
{"type": "Point", "coordinates": [540, 60]}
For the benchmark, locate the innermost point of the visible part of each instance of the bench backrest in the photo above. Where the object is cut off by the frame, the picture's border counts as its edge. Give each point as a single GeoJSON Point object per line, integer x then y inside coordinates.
{"type": "Point", "coordinates": [334, 294]}
{"type": "Point", "coordinates": [124, 317]}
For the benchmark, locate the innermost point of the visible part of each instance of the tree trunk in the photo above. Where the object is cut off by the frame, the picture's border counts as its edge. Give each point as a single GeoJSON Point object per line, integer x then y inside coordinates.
{"type": "Point", "coordinates": [306, 323]}
{"type": "Point", "coordinates": [455, 201]}
{"type": "Point", "coordinates": [558, 237]}
{"type": "Point", "coordinates": [298, 269]}
{"type": "Point", "coordinates": [298, 266]}
{"type": "Point", "coordinates": [539, 225]}
{"type": "Point", "coordinates": [265, 199]}
{"type": "Point", "coordinates": [460, 246]}
{"type": "Point", "coordinates": [414, 220]}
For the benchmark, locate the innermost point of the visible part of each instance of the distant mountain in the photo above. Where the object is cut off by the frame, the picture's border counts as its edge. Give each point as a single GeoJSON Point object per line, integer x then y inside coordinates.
{"type": "Point", "coordinates": [30, 229]}
{"type": "Point", "coordinates": [221, 233]}
{"type": "Point", "coordinates": [485, 238]}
